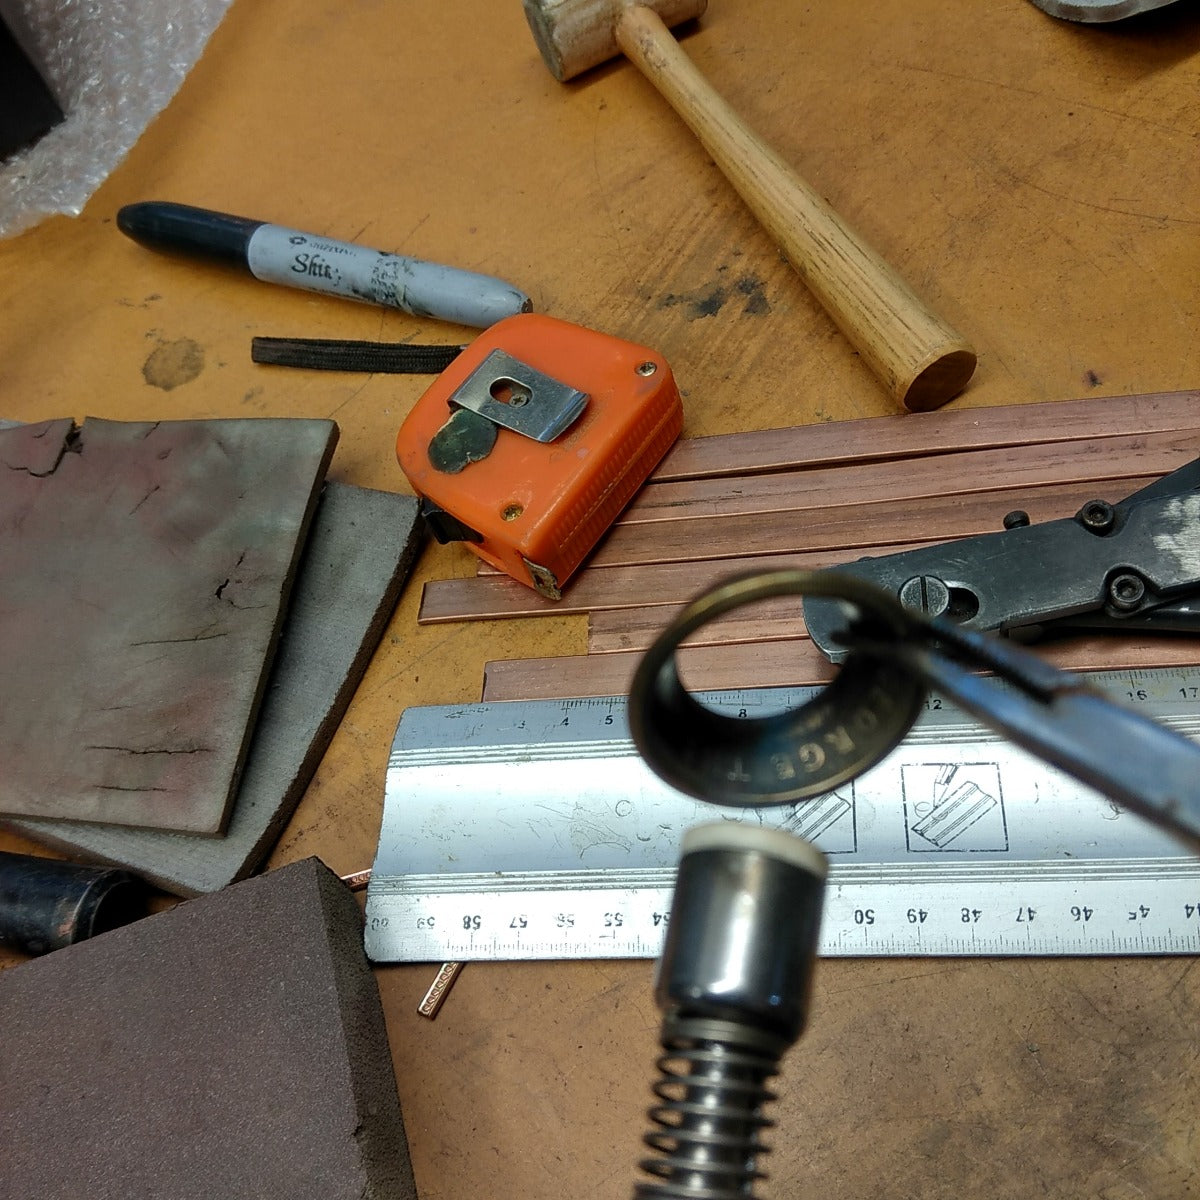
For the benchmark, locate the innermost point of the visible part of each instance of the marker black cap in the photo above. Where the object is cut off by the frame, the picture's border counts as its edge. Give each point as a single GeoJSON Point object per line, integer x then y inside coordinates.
{"type": "Point", "coordinates": [182, 229]}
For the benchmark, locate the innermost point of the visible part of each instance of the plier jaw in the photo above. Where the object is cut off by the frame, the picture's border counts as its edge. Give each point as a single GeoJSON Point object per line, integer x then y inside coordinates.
{"type": "Point", "coordinates": [1134, 564]}
{"type": "Point", "coordinates": [1056, 716]}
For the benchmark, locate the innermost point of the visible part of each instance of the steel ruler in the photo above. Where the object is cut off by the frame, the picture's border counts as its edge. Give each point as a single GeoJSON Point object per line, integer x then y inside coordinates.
{"type": "Point", "coordinates": [533, 830]}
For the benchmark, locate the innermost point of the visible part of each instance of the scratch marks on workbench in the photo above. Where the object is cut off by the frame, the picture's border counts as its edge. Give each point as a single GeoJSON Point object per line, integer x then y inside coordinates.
{"type": "Point", "coordinates": [1084, 161]}
{"type": "Point", "coordinates": [1062, 1075]}
{"type": "Point", "coordinates": [145, 302]}
{"type": "Point", "coordinates": [337, 408]}
{"type": "Point", "coordinates": [1187, 970]}
{"type": "Point", "coordinates": [1001, 85]}
{"type": "Point", "coordinates": [1014, 178]}
{"type": "Point", "coordinates": [940, 969]}
{"type": "Point", "coordinates": [613, 223]}
{"type": "Point", "coordinates": [171, 364]}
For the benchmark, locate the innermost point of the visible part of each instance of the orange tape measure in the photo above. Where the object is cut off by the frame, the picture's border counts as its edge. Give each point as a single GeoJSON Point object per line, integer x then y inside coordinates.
{"type": "Point", "coordinates": [532, 441]}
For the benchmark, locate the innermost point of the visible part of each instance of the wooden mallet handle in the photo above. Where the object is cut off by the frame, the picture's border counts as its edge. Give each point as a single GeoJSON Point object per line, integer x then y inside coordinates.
{"type": "Point", "coordinates": [920, 359]}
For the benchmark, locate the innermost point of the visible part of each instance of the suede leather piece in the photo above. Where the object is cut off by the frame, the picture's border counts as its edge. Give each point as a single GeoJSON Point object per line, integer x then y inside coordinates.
{"type": "Point", "coordinates": [360, 551]}
{"type": "Point", "coordinates": [146, 570]}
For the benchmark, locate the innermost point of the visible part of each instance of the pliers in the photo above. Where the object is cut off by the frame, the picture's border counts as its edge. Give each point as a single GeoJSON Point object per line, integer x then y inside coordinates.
{"type": "Point", "coordinates": [1133, 564]}
{"type": "Point", "coordinates": [891, 656]}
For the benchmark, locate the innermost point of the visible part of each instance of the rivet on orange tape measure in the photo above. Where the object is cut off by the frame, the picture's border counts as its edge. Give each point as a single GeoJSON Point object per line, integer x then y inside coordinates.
{"type": "Point", "coordinates": [532, 441]}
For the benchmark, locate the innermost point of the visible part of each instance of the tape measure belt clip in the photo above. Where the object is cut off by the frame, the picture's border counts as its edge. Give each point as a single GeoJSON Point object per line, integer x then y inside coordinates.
{"type": "Point", "coordinates": [513, 395]}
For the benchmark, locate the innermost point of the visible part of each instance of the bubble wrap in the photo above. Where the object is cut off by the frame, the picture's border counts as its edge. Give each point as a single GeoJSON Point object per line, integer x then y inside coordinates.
{"type": "Point", "coordinates": [113, 65]}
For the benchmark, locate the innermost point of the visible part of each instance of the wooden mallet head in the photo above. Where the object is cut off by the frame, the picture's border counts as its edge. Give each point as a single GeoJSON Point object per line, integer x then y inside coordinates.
{"type": "Point", "coordinates": [576, 35]}
{"type": "Point", "coordinates": [917, 356]}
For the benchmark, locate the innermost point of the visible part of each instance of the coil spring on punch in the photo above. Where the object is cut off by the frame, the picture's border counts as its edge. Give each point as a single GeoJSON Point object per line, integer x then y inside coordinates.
{"type": "Point", "coordinates": [709, 1121]}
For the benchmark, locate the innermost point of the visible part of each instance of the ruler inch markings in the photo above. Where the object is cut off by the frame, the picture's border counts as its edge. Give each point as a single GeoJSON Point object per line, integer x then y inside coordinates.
{"type": "Point", "coordinates": [532, 830]}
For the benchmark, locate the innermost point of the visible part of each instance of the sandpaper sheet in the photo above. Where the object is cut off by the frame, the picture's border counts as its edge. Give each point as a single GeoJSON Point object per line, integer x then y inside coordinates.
{"type": "Point", "coordinates": [145, 568]}
{"type": "Point", "coordinates": [233, 1046]}
{"type": "Point", "coordinates": [359, 553]}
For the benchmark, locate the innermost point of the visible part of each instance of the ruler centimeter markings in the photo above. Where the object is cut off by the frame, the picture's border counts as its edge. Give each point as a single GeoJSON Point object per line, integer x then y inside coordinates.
{"type": "Point", "coordinates": [533, 830]}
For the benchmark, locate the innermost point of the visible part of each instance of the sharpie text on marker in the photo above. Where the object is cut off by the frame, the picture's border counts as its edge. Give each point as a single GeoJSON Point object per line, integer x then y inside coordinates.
{"type": "Point", "coordinates": [276, 254]}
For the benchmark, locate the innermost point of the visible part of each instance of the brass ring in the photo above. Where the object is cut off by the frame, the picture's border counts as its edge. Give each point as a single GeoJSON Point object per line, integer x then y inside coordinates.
{"type": "Point", "coordinates": [805, 751]}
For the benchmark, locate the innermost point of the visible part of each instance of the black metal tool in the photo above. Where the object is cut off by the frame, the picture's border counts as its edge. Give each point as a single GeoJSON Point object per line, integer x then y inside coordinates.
{"type": "Point", "coordinates": [733, 985]}
{"type": "Point", "coordinates": [850, 726]}
{"type": "Point", "coordinates": [1133, 564]}
{"type": "Point", "coordinates": [46, 904]}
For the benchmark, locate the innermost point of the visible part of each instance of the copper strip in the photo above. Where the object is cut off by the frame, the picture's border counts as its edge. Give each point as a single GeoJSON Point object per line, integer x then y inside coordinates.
{"type": "Point", "coordinates": [616, 631]}
{"type": "Point", "coordinates": [763, 664]}
{"type": "Point", "coordinates": [611, 631]}
{"type": "Point", "coordinates": [445, 600]}
{"type": "Point", "coordinates": [439, 989]}
{"type": "Point", "coordinates": [1090, 468]}
{"type": "Point", "coordinates": [839, 534]}
{"type": "Point", "coordinates": [918, 434]}
{"type": "Point", "coordinates": [671, 546]}
{"type": "Point", "coordinates": [1091, 463]}
{"type": "Point", "coordinates": [784, 664]}
{"type": "Point", "coordinates": [852, 529]}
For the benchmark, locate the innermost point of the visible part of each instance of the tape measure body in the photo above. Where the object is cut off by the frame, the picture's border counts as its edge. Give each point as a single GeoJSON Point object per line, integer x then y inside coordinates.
{"type": "Point", "coordinates": [535, 438]}
{"type": "Point", "coordinates": [532, 830]}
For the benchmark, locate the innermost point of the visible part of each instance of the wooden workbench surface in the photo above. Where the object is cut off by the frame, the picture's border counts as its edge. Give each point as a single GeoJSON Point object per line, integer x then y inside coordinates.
{"type": "Point", "coordinates": [1037, 182]}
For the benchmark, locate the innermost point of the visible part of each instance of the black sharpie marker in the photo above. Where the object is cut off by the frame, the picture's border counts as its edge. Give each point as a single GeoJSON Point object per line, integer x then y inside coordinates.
{"type": "Point", "coordinates": [319, 264]}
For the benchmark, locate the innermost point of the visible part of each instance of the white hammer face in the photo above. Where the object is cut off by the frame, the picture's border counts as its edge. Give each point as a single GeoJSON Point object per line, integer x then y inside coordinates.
{"type": "Point", "coordinates": [575, 35]}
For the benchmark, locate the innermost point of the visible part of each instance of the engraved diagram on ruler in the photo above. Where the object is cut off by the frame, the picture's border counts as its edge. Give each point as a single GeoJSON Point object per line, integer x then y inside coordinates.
{"type": "Point", "coordinates": [828, 820]}
{"type": "Point", "coordinates": [954, 807]}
